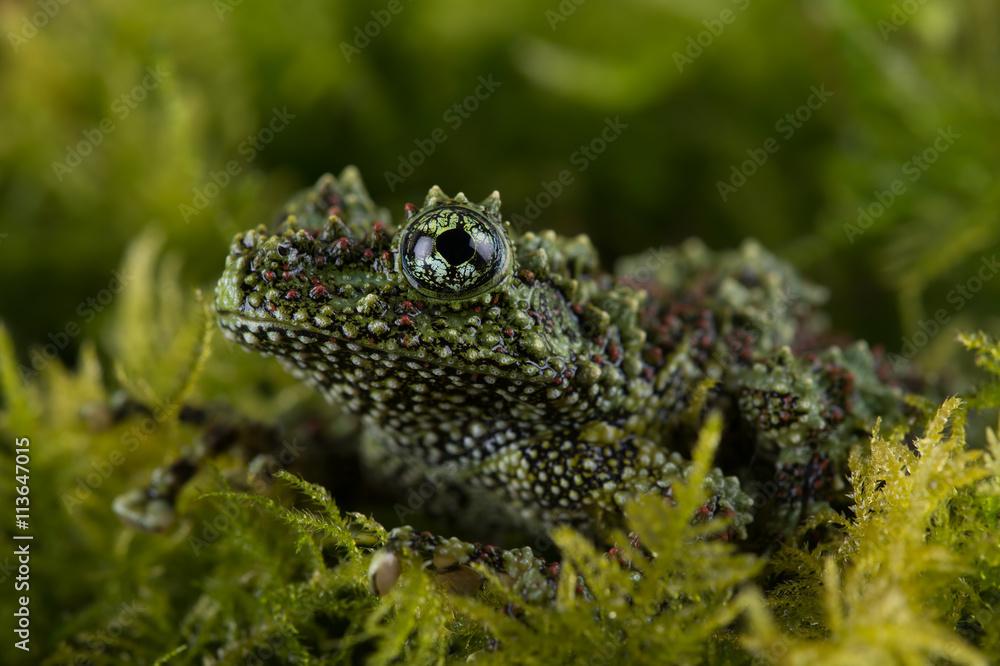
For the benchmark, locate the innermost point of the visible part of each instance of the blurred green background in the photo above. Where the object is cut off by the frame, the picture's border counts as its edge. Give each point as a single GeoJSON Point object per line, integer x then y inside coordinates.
{"type": "Point", "coordinates": [114, 116]}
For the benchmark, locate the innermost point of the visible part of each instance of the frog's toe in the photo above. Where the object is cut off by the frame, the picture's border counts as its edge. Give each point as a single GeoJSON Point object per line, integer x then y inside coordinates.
{"type": "Point", "coordinates": [383, 572]}
{"type": "Point", "coordinates": [141, 511]}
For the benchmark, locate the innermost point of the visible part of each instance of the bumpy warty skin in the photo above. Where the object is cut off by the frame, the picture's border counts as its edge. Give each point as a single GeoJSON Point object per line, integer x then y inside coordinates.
{"type": "Point", "coordinates": [510, 364]}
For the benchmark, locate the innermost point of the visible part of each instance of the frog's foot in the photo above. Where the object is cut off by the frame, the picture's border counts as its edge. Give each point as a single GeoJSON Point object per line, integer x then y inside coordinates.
{"type": "Point", "coordinates": [457, 565]}
{"type": "Point", "coordinates": [152, 509]}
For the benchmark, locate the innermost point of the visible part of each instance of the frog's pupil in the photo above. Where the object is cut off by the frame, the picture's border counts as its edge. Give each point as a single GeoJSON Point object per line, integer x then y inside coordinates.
{"type": "Point", "coordinates": [456, 246]}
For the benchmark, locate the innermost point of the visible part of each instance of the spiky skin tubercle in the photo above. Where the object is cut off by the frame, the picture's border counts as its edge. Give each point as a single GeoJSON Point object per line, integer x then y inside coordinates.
{"type": "Point", "coordinates": [539, 384]}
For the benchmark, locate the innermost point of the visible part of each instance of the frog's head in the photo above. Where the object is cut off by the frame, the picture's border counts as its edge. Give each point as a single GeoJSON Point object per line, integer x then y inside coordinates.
{"type": "Point", "coordinates": [338, 292]}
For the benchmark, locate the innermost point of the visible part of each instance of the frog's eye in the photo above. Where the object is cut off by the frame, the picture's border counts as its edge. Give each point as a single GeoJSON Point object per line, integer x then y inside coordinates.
{"type": "Point", "coordinates": [453, 251]}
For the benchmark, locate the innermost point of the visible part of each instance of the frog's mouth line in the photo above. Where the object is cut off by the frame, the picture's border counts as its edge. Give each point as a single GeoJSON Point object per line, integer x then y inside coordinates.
{"type": "Point", "coordinates": [258, 333]}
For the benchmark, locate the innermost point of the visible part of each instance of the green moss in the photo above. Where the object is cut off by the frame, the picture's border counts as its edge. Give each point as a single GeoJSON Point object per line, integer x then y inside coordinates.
{"type": "Point", "coordinates": [909, 574]}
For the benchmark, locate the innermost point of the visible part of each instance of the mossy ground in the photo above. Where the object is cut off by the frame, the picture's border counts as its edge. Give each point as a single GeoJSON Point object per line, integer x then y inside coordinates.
{"type": "Point", "coordinates": [908, 575]}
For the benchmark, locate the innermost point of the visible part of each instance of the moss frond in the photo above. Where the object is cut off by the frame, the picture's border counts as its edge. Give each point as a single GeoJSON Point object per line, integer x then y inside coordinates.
{"type": "Point", "coordinates": [889, 592]}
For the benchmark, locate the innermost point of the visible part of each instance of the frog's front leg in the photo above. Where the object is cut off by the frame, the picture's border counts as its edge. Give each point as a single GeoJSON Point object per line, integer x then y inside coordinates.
{"type": "Point", "coordinates": [152, 509]}
{"type": "Point", "coordinates": [567, 479]}
{"type": "Point", "coordinates": [266, 448]}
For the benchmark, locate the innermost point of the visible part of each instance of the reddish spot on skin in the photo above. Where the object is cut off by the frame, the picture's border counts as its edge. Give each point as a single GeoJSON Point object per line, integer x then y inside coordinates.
{"type": "Point", "coordinates": [557, 380]}
{"type": "Point", "coordinates": [385, 257]}
{"type": "Point", "coordinates": [614, 353]}
{"type": "Point", "coordinates": [342, 243]}
{"type": "Point", "coordinates": [319, 291]}
{"type": "Point", "coordinates": [410, 209]}
{"type": "Point", "coordinates": [315, 280]}
{"type": "Point", "coordinates": [286, 276]}
{"type": "Point", "coordinates": [405, 320]}
{"type": "Point", "coordinates": [577, 309]}
{"type": "Point", "coordinates": [598, 359]}
{"type": "Point", "coordinates": [269, 276]}
{"type": "Point", "coordinates": [420, 305]}
{"type": "Point", "coordinates": [292, 294]}
{"type": "Point", "coordinates": [271, 307]}
{"type": "Point", "coordinates": [513, 610]}
{"type": "Point", "coordinates": [368, 253]}
{"type": "Point", "coordinates": [508, 332]}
